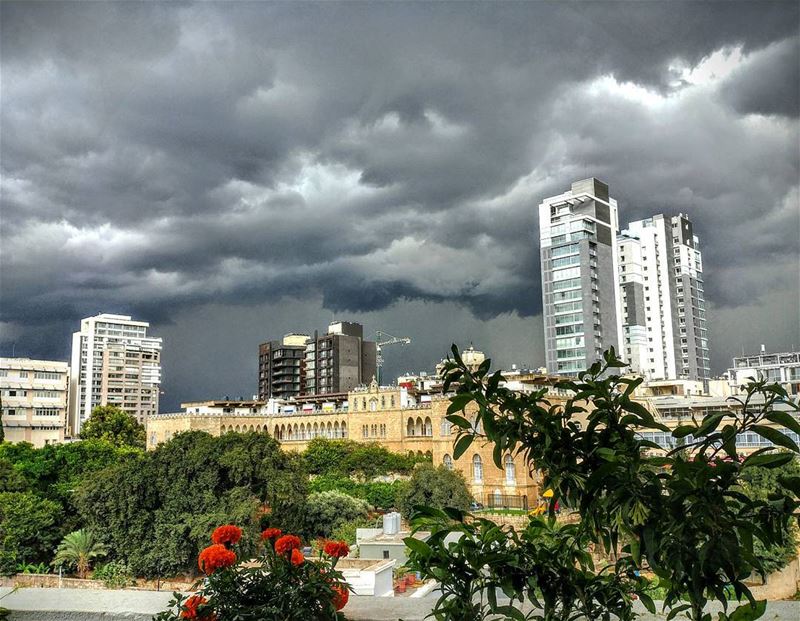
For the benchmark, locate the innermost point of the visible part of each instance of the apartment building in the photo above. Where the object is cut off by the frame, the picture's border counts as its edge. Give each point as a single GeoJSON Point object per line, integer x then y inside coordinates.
{"type": "Point", "coordinates": [114, 362]}
{"type": "Point", "coordinates": [580, 297]}
{"type": "Point", "coordinates": [781, 368]}
{"type": "Point", "coordinates": [282, 367]}
{"type": "Point", "coordinates": [663, 299]}
{"type": "Point", "coordinates": [334, 362]}
{"type": "Point", "coordinates": [34, 400]}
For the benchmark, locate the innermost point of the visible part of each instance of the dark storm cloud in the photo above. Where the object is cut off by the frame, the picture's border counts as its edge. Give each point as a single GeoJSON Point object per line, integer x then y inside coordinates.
{"type": "Point", "coordinates": [158, 157]}
{"type": "Point", "coordinates": [769, 84]}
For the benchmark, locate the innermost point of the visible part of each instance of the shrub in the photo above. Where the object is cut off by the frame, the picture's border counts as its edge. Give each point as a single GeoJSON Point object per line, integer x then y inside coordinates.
{"type": "Point", "coordinates": [376, 493]}
{"type": "Point", "coordinates": [349, 458]}
{"type": "Point", "coordinates": [326, 511]}
{"type": "Point", "coordinates": [29, 529]}
{"type": "Point", "coordinates": [282, 584]}
{"type": "Point", "coordinates": [434, 487]}
{"type": "Point", "coordinates": [114, 574]}
{"type": "Point", "coordinates": [346, 531]}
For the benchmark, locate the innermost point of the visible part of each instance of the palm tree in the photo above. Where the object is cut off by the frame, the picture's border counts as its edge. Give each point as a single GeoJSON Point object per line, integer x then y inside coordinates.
{"type": "Point", "coordinates": [79, 549]}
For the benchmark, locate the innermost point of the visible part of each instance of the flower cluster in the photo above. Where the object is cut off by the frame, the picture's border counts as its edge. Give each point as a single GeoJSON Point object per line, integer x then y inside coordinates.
{"type": "Point", "coordinates": [287, 585]}
{"type": "Point", "coordinates": [285, 544]}
{"type": "Point", "coordinates": [191, 606]}
{"type": "Point", "coordinates": [336, 549]}
{"type": "Point", "coordinates": [215, 557]}
{"type": "Point", "coordinates": [227, 535]}
{"type": "Point", "coordinates": [271, 534]}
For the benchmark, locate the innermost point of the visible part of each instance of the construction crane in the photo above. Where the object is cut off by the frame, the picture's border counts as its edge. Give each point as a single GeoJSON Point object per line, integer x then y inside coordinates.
{"type": "Point", "coordinates": [382, 339]}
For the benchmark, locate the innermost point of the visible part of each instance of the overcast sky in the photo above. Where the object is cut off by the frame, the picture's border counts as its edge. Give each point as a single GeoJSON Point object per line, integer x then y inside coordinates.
{"type": "Point", "coordinates": [231, 172]}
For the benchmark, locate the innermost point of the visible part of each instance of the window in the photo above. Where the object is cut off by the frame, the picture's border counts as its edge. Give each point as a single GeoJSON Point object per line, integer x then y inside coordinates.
{"type": "Point", "coordinates": [46, 375]}
{"type": "Point", "coordinates": [477, 468]}
{"type": "Point", "coordinates": [511, 471]}
{"type": "Point", "coordinates": [448, 461]}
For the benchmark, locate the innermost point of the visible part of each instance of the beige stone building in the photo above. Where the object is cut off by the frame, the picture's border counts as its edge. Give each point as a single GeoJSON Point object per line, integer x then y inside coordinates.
{"type": "Point", "coordinates": [34, 400]}
{"type": "Point", "coordinates": [387, 415]}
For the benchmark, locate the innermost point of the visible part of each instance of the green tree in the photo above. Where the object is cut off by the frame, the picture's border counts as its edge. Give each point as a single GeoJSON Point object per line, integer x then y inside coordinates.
{"type": "Point", "coordinates": [155, 510]}
{"type": "Point", "coordinates": [327, 511]}
{"type": "Point", "coordinates": [680, 511]}
{"type": "Point", "coordinates": [29, 529]}
{"type": "Point", "coordinates": [79, 549]}
{"type": "Point", "coordinates": [108, 422]}
{"type": "Point", "coordinates": [360, 459]}
{"type": "Point", "coordinates": [435, 487]}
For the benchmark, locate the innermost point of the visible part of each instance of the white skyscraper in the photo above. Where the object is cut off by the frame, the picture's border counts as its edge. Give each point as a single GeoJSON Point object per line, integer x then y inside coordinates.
{"type": "Point", "coordinates": [663, 312]}
{"type": "Point", "coordinates": [114, 362]}
{"type": "Point", "coordinates": [580, 297]}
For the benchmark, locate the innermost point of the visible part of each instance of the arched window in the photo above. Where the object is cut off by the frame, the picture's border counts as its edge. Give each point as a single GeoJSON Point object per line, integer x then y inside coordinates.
{"type": "Point", "coordinates": [252, 428]}
{"type": "Point", "coordinates": [364, 431]}
{"type": "Point", "coordinates": [316, 430]}
{"type": "Point", "coordinates": [344, 429]}
{"type": "Point", "coordinates": [355, 405]}
{"type": "Point", "coordinates": [498, 499]}
{"type": "Point", "coordinates": [222, 429]}
{"type": "Point", "coordinates": [428, 426]}
{"type": "Point", "coordinates": [383, 431]}
{"type": "Point", "coordinates": [383, 402]}
{"type": "Point", "coordinates": [511, 471]}
{"type": "Point", "coordinates": [373, 405]}
{"type": "Point", "coordinates": [336, 429]}
{"type": "Point", "coordinates": [447, 461]}
{"type": "Point", "coordinates": [237, 429]}
{"type": "Point", "coordinates": [410, 427]}
{"type": "Point", "coordinates": [364, 403]}
{"type": "Point", "coordinates": [302, 431]}
{"type": "Point", "coordinates": [446, 428]}
{"type": "Point", "coordinates": [419, 428]}
{"type": "Point", "coordinates": [477, 468]}
{"type": "Point", "coordinates": [391, 401]}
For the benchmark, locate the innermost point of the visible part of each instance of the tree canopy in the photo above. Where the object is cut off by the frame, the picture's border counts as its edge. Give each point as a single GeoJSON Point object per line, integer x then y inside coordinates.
{"type": "Point", "coordinates": [108, 422]}
{"type": "Point", "coordinates": [350, 458]}
{"type": "Point", "coordinates": [434, 487]}
{"type": "Point", "coordinates": [155, 514]}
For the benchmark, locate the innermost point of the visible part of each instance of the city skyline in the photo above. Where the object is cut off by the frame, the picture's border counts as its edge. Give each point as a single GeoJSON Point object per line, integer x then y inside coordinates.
{"type": "Point", "coordinates": [234, 174]}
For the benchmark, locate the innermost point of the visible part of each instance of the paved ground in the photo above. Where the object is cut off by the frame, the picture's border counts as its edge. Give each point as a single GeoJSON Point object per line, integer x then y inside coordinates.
{"type": "Point", "coordinates": [124, 605]}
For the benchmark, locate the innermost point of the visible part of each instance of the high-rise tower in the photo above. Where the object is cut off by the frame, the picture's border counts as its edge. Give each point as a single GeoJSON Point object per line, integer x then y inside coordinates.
{"type": "Point", "coordinates": [664, 315]}
{"type": "Point", "coordinates": [580, 296]}
{"type": "Point", "coordinates": [114, 362]}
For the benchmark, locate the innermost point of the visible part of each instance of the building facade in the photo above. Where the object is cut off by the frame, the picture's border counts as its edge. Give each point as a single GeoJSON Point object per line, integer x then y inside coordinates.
{"type": "Point", "coordinates": [781, 368]}
{"type": "Point", "coordinates": [332, 363]}
{"type": "Point", "coordinates": [282, 367]}
{"type": "Point", "coordinates": [580, 298]}
{"type": "Point", "coordinates": [387, 415]}
{"type": "Point", "coordinates": [663, 299]}
{"type": "Point", "coordinates": [114, 362]}
{"type": "Point", "coordinates": [34, 400]}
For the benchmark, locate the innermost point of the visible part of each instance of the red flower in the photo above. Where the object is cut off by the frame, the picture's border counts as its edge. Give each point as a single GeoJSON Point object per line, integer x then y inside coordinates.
{"type": "Point", "coordinates": [271, 533]}
{"type": "Point", "coordinates": [336, 549]}
{"type": "Point", "coordinates": [287, 543]}
{"type": "Point", "coordinates": [340, 596]}
{"type": "Point", "coordinates": [227, 534]}
{"type": "Point", "coordinates": [215, 557]}
{"type": "Point", "coordinates": [297, 557]}
{"type": "Point", "coordinates": [190, 607]}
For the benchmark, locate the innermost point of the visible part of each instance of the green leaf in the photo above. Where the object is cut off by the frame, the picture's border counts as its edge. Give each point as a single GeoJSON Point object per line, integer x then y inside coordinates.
{"type": "Point", "coordinates": [459, 402]}
{"type": "Point", "coordinates": [785, 419]}
{"type": "Point", "coordinates": [648, 603]}
{"type": "Point", "coordinates": [791, 483]}
{"type": "Point", "coordinates": [709, 424]}
{"type": "Point", "coordinates": [459, 421]}
{"type": "Point", "coordinates": [419, 547]}
{"type": "Point", "coordinates": [776, 437]}
{"type": "Point", "coordinates": [683, 431]}
{"type": "Point", "coordinates": [749, 612]}
{"type": "Point", "coordinates": [461, 445]}
{"type": "Point", "coordinates": [768, 460]}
